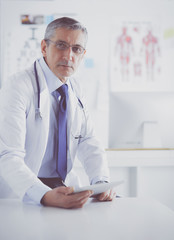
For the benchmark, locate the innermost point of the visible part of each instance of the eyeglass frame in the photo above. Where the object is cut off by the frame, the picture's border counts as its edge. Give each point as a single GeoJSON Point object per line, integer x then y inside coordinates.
{"type": "Point", "coordinates": [67, 46]}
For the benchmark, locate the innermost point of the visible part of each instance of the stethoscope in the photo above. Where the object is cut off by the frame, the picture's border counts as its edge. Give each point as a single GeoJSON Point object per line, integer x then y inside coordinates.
{"type": "Point", "coordinates": [38, 114]}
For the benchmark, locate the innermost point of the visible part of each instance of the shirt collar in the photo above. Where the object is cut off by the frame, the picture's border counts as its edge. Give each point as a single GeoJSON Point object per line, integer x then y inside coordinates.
{"type": "Point", "coordinates": [53, 82]}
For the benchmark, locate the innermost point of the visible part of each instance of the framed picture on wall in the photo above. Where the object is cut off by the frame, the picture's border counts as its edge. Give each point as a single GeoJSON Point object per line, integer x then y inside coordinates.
{"type": "Point", "coordinates": [141, 55]}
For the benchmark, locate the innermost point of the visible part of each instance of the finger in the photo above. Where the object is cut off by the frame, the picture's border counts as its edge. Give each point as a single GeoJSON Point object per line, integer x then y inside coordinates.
{"type": "Point", "coordinates": [81, 195]}
{"type": "Point", "coordinates": [77, 200]}
{"type": "Point", "coordinates": [70, 190]}
{"type": "Point", "coordinates": [80, 203]}
{"type": "Point", "coordinates": [64, 190]}
{"type": "Point", "coordinates": [112, 195]}
{"type": "Point", "coordinates": [102, 196]}
{"type": "Point", "coordinates": [107, 196]}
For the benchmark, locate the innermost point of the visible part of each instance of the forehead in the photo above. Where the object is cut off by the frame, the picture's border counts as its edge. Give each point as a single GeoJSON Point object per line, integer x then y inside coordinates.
{"type": "Point", "coordinates": [70, 36]}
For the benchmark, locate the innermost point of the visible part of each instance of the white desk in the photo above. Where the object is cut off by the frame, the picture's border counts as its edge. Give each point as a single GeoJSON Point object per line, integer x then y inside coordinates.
{"type": "Point", "coordinates": [122, 219]}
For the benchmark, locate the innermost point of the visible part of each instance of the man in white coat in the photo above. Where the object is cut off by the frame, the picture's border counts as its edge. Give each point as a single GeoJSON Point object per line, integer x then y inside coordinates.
{"type": "Point", "coordinates": [29, 109]}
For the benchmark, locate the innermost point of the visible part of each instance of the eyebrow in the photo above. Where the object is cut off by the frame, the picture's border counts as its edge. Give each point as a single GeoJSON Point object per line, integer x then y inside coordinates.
{"type": "Point", "coordinates": [61, 41]}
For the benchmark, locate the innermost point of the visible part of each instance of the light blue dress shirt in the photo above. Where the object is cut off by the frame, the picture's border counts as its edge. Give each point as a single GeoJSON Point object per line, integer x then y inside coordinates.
{"type": "Point", "coordinates": [48, 167]}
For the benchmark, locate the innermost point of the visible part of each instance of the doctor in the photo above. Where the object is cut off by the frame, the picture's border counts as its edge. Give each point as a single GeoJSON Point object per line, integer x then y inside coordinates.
{"type": "Point", "coordinates": [37, 149]}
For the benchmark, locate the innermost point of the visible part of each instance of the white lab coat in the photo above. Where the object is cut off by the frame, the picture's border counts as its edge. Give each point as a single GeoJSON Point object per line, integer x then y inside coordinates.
{"type": "Point", "coordinates": [23, 139]}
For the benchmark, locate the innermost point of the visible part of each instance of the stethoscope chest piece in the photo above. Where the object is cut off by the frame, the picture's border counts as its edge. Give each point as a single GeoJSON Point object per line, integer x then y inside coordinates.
{"type": "Point", "coordinates": [38, 114]}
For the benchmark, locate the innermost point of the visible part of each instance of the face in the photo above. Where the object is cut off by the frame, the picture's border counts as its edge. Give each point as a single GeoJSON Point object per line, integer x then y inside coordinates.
{"type": "Point", "coordinates": [63, 63]}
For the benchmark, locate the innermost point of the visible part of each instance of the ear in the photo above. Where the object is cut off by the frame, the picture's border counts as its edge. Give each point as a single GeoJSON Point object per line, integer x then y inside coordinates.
{"type": "Point", "coordinates": [83, 54]}
{"type": "Point", "coordinates": [44, 48]}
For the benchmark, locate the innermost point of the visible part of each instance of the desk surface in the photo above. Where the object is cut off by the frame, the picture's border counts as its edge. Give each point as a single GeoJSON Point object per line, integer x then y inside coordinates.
{"type": "Point", "coordinates": [122, 219]}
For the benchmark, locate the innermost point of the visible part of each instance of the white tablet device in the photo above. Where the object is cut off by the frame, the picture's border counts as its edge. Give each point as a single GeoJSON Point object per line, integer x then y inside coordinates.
{"type": "Point", "coordinates": [98, 188]}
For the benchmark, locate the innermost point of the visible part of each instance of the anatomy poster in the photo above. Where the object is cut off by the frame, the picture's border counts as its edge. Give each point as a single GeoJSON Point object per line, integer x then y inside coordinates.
{"type": "Point", "coordinates": [138, 57]}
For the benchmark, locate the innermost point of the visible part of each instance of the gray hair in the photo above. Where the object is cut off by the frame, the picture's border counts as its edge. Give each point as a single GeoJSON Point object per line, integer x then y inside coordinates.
{"type": "Point", "coordinates": [64, 22]}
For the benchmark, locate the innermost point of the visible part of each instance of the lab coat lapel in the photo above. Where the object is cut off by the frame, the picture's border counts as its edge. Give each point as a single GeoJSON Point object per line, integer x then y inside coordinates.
{"type": "Point", "coordinates": [44, 93]}
{"type": "Point", "coordinates": [73, 101]}
{"type": "Point", "coordinates": [44, 103]}
{"type": "Point", "coordinates": [74, 127]}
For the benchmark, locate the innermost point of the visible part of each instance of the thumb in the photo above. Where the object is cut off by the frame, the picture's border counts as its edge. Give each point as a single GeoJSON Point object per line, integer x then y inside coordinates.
{"type": "Point", "coordinates": [70, 190]}
{"type": "Point", "coordinates": [65, 190]}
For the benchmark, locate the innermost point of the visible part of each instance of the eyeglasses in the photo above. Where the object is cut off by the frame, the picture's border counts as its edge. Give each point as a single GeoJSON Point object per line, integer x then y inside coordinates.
{"type": "Point", "coordinates": [61, 45]}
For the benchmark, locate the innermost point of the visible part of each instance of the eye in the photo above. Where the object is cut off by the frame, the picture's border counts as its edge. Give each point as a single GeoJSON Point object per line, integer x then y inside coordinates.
{"type": "Point", "coordinates": [61, 45]}
{"type": "Point", "coordinates": [77, 49]}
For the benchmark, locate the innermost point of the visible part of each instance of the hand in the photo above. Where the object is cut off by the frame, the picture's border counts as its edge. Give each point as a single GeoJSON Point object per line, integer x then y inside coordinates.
{"type": "Point", "coordinates": [106, 196]}
{"type": "Point", "coordinates": [63, 197]}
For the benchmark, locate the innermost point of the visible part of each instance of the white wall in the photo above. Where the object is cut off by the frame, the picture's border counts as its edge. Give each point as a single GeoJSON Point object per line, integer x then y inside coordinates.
{"type": "Point", "coordinates": [100, 17]}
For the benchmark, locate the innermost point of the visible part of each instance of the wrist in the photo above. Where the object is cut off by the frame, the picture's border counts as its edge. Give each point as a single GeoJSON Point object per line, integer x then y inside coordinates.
{"type": "Point", "coordinates": [43, 200]}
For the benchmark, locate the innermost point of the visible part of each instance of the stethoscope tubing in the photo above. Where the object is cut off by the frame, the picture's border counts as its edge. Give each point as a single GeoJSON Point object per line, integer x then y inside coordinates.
{"type": "Point", "coordinates": [37, 110]}
{"type": "Point", "coordinates": [38, 86]}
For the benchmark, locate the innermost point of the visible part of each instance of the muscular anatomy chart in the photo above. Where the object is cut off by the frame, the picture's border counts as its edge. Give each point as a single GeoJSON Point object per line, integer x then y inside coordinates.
{"type": "Point", "coordinates": [124, 51]}
{"type": "Point", "coordinates": [151, 51]}
{"type": "Point", "coordinates": [135, 55]}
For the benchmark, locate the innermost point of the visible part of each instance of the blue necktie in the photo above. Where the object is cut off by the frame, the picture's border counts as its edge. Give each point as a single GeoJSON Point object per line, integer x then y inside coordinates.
{"type": "Point", "coordinates": [62, 132]}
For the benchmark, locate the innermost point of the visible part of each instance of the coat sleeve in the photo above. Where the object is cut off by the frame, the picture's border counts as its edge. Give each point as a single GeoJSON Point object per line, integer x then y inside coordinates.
{"type": "Point", "coordinates": [14, 104]}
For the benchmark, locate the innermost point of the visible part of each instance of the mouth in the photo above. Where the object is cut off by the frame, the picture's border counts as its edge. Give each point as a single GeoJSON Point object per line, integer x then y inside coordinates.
{"type": "Point", "coordinates": [66, 66]}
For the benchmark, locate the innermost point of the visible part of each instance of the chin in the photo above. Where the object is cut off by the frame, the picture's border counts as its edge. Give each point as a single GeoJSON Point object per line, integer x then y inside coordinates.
{"type": "Point", "coordinates": [63, 78]}
{"type": "Point", "coordinates": [67, 74]}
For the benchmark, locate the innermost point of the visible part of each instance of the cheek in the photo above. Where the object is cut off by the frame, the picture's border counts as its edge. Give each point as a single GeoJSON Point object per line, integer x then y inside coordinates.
{"type": "Point", "coordinates": [54, 55]}
{"type": "Point", "coordinates": [77, 62]}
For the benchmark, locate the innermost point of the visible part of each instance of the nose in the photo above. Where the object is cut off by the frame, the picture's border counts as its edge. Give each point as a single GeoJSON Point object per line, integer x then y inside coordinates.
{"type": "Point", "coordinates": [69, 53]}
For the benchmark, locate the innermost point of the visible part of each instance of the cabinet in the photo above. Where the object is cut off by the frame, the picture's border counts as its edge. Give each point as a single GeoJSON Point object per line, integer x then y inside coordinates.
{"type": "Point", "coordinates": [146, 172]}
